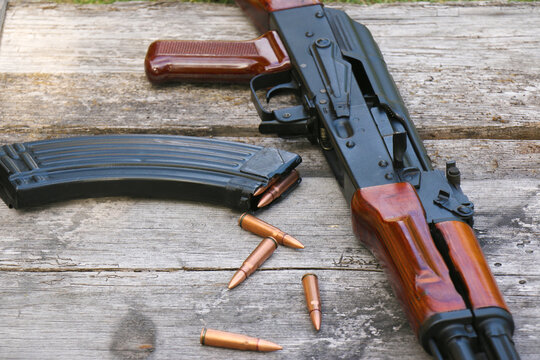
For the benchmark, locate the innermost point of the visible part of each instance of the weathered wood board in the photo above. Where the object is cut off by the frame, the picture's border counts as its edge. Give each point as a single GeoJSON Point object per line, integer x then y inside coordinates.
{"type": "Point", "coordinates": [3, 7]}
{"type": "Point", "coordinates": [67, 235]}
{"type": "Point", "coordinates": [114, 315]}
{"type": "Point", "coordinates": [465, 71]}
{"type": "Point", "coordinates": [119, 278]}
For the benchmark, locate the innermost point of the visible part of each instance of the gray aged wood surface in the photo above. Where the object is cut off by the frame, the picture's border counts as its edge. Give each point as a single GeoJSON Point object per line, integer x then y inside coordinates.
{"type": "Point", "coordinates": [120, 278]}
{"type": "Point", "coordinates": [3, 7]}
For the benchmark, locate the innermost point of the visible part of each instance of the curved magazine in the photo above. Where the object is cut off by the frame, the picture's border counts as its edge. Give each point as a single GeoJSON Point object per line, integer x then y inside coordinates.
{"type": "Point", "coordinates": [155, 166]}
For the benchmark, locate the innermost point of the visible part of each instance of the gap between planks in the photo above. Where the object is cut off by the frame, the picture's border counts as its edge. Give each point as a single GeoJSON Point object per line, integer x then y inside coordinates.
{"type": "Point", "coordinates": [171, 270]}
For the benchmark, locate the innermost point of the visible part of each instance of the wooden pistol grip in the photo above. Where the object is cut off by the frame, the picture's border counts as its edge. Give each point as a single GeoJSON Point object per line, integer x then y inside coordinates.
{"type": "Point", "coordinates": [469, 261]}
{"type": "Point", "coordinates": [215, 61]}
{"type": "Point", "coordinates": [258, 10]}
{"type": "Point", "coordinates": [390, 220]}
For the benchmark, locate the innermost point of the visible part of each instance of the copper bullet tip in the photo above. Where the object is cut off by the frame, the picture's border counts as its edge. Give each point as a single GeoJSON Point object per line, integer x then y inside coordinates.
{"type": "Point", "coordinates": [289, 241]}
{"type": "Point", "coordinates": [259, 227]}
{"type": "Point", "coordinates": [266, 199]}
{"type": "Point", "coordinates": [263, 188]}
{"type": "Point", "coordinates": [259, 191]}
{"type": "Point", "coordinates": [277, 189]}
{"type": "Point", "coordinates": [313, 299]}
{"type": "Point", "coordinates": [237, 279]}
{"type": "Point", "coordinates": [231, 340]}
{"type": "Point", "coordinates": [315, 316]}
{"type": "Point", "coordinates": [263, 251]}
{"type": "Point", "coordinates": [265, 345]}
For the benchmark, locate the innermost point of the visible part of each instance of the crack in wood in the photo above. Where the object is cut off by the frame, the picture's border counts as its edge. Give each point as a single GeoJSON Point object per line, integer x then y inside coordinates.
{"type": "Point", "coordinates": [170, 270]}
{"type": "Point", "coordinates": [521, 132]}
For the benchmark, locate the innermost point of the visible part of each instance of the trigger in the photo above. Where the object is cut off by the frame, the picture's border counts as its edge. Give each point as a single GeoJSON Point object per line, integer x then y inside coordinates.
{"type": "Point", "coordinates": [291, 85]}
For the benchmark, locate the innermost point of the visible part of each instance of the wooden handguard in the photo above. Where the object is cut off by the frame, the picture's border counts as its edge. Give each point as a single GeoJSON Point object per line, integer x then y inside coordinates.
{"type": "Point", "coordinates": [390, 220]}
{"type": "Point", "coordinates": [215, 61]}
{"type": "Point", "coordinates": [469, 262]}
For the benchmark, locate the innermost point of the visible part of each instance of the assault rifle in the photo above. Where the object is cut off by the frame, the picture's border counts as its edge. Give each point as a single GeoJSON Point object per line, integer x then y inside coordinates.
{"type": "Point", "coordinates": [415, 219]}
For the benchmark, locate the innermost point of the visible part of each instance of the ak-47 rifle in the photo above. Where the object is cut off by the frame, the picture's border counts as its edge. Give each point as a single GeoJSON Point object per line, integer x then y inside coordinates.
{"type": "Point", "coordinates": [415, 219]}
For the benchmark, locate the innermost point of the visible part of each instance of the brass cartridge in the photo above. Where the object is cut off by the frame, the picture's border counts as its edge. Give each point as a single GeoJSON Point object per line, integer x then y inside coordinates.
{"type": "Point", "coordinates": [262, 189]}
{"type": "Point", "coordinates": [313, 298]}
{"type": "Point", "coordinates": [230, 340]}
{"type": "Point", "coordinates": [258, 227]}
{"type": "Point", "coordinates": [275, 191]}
{"type": "Point", "coordinates": [262, 252]}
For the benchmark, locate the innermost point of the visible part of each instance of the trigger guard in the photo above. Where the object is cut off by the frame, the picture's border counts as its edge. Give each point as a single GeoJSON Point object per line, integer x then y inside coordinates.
{"type": "Point", "coordinates": [291, 85]}
{"type": "Point", "coordinates": [290, 121]}
{"type": "Point", "coordinates": [267, 81]}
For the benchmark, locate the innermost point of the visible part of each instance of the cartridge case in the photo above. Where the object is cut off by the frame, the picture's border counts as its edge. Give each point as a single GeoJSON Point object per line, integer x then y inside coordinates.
{"type": "Point", "coordinates": [275, 191]}
{"type": "Point", "coordinates": [258, 227]}
{"type": "Point", "coordinates": [310, 283]}
{"type": "Point", "coordinates": [230, 340]}
{"type": "Point", "coordinates": [262, 252]}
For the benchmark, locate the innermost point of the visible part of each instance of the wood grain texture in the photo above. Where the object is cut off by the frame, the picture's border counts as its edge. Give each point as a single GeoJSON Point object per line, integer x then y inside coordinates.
{"type": "Point", "coordinates": [468, 259]}
{"type": "Point", "coordinates": [109, 315]}
{"type": "Point", "coordinates": [128, 234]}
{"type": "Point", "coordinates": [119, 278]}
{"type": "Point", "coordinates": [461, 72]}
{"type": "Point", "coordinates": [172, 308]}
{"type": "Point", "coordinates": [58, 104]}
{"type": "Point", "coordinates": [477, 159]}
{"type": "Point", "coordinates": [3, 7]}
{"type": "Point", "coordinates": [390, 221]}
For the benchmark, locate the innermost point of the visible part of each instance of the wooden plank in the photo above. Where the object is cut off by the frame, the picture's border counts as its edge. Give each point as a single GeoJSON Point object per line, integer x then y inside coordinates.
{"type": "Point", "coordinates": [3, 7]}
{"type": "Point", "coordinates": [488, 159]}
{"type": "Point", "coordinates": [110, 315]}
{"type": "Point", "coordinates": [99, 278]}
{"type": "Point", "coordinates": [59, 104]}
{"type": "Point", "coordinates": [123, 234]}
{"type": "Point", "coordinates": [476, 158]}
{"type": "Point", "coordinates": [113, 38]}
{"type": "Point", "coordinates": [484, 90]}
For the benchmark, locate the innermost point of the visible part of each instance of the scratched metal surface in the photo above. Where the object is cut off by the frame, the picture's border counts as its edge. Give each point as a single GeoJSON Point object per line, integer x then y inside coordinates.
{"type": "Point", "coordinates": [120, 278]}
